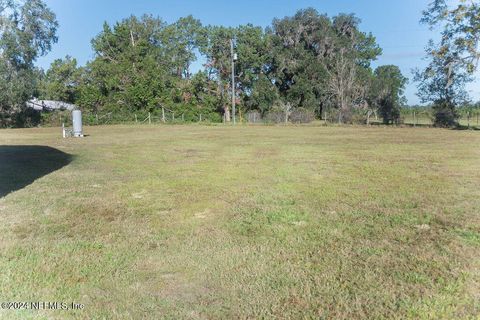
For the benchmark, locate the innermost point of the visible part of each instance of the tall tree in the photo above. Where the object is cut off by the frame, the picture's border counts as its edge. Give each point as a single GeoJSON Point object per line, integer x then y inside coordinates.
{"type": "Point", "coordinates": [218, 66]}
{"type": "Point", "coordinates": [141, 64]}
{"type": "Point", "coordinates": [132, 64]}
{"type": "Point", "coordinates": [185, 36]}
{"type": "Point", "coordinates": [387, 90]}
{"type": "Point", "coordinates": [27, 31]}
{"type": "Point", "coordinates": [443, 84]}
{"type": "Point", "coordinates": [453, 60]}
{"type": "Point", "coordinates": [348, 62]}
{"type": "Point", "coordinates": [61, 81]}
{"type": "Point", "coordinates": [298, 47]}
{"type": "Point", "coordinates": [316, 60]}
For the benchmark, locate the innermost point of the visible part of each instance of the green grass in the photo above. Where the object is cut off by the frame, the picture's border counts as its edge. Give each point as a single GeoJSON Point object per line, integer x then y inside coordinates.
{"type": "Point", "coordinates": [193, 222]}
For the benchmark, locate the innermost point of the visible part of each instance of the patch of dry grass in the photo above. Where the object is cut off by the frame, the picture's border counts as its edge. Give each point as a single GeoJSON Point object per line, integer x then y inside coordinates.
{"type": "Point", "coordinates": [217, 222]}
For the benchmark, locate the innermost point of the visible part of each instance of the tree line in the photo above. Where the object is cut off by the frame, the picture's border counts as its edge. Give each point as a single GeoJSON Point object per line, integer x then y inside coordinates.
{"type": "Point", "coordinates": [308, 62]}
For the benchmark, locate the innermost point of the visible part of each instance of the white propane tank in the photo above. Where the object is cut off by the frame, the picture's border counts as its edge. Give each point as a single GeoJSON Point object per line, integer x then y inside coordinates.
{"type": "Point", "coordinates": [77, 123]}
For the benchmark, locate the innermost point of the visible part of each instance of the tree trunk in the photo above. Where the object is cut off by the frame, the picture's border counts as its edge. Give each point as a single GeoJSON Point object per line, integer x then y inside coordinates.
{"type": "Point", "coordinates": [226, 110]}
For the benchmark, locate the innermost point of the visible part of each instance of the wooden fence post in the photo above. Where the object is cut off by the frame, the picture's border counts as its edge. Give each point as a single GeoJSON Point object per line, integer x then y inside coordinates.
{"type": "Point", "coordinates": [200, 117]}
{"type": "Point", "coordinates": [149, 119]}
{"type": "Point", "coordinates": [414, 119]}
{"type": "Point", "coordinates": [136, 120]}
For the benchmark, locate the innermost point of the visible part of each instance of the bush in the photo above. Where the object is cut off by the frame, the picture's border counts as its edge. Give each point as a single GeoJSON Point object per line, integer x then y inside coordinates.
{"type": "Point", "coordinates": [445, 115]}
{"type": "Point", "coordinates": [27, 118]}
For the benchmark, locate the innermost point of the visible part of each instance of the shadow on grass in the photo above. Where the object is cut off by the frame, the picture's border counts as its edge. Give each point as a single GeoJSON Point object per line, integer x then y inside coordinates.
{"type": "Point", "coordinates": [22, 165]}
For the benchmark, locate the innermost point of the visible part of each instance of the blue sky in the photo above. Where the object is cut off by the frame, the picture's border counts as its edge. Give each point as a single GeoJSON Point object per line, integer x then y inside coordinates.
{"type": "Point", "coordinates": [393, 22]}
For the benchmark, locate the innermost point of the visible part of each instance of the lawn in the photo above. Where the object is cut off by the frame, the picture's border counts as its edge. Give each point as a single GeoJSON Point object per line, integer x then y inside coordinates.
{"type": "Point", "coordinates": [215, 222]}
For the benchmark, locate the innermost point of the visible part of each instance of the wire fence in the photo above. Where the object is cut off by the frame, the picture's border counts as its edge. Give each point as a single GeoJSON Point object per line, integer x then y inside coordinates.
{"type": "Point", "coordinates": [165, 115]}
{"type": "Point", "coordinates": [469, 119]}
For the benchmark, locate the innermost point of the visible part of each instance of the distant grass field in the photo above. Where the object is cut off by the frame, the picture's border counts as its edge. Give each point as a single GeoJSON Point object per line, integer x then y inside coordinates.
{"type": "Point", "coordinates": [215, 222]}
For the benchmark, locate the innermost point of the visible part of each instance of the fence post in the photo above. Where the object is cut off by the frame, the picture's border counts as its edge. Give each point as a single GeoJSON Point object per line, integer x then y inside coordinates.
{"type": "Point", "coordinates": [468, 118]}
{"type": "Point", "coordinates": [136, 118]}
{"type": "Point", "coordinates": [200, 117]}
{"type": "Point", "coordinates": [183, 118]}
{"type": "Point", "coordinates": [63, 129]}
{"type": "Point", "coordinates": [173, 116]}
{"type": "Point", "coordinates": [414, 119]}
{"type": "Point", "coordinates": [96, 116]}
{"type": "Point", "coordinates": [163, 114]}
{"type": "Point", "coordinates": [149, 119]}
{"type": "Point", "coordinates": [325, 117]}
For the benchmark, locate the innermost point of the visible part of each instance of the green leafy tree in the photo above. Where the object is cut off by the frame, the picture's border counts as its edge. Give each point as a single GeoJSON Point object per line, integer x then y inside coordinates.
{"type": "Point", "coordinates": [27, 31]}
{"type": "Point", "coordinates": [141, 64]}
{"type": "Point", "coordinates": [348, 65]}
{"type": "Point", "coordinates": [298, 46]}
{"type": "Point", "coordinates": [61, 81]}
{"type": "Point", "coordinates": [218, 66]}
{"type": "Point", "coordinates": [443, 85]}
{"type": "Point", "coordinates": [453, 60]}
{"type": "Point", "coordinates": [185, 36]}
{"type": "Point", "coordinates": [388, 89]}
{"type": "Point", "coordinates": [319, 62]}
{"type": "Point", "coordinates": [253, 88]}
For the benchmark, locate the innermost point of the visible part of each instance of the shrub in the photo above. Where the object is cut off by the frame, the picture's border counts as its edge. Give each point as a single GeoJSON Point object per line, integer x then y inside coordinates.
{"type": "Point", "coordinates": [445, 115]}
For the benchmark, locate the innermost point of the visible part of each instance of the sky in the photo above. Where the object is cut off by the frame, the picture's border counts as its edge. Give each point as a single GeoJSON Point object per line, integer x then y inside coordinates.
{"type": "Point", "coordinates": [395, 24]}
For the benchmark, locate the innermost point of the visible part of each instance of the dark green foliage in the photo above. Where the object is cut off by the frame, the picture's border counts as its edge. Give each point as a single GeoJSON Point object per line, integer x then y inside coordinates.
{"type": "Point", "coordinates": [445, 114]}
{"type": "Point", "coordinates": [143, 64]}
{"type": "Point", "coordinates": [318, 62]}
{"type": "Point", "coordinates": [61, 81]}
{"type": "Point", "coordinates": [388, 88]}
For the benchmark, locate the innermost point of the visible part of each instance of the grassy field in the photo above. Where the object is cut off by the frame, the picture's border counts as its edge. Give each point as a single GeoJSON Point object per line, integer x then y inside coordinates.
{"type": "Point", "coordinates": [214, 222]}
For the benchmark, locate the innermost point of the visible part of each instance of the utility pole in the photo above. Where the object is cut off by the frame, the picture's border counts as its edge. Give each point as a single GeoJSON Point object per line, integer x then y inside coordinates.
{"type": "Point", "coordinates": [234, 58]}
